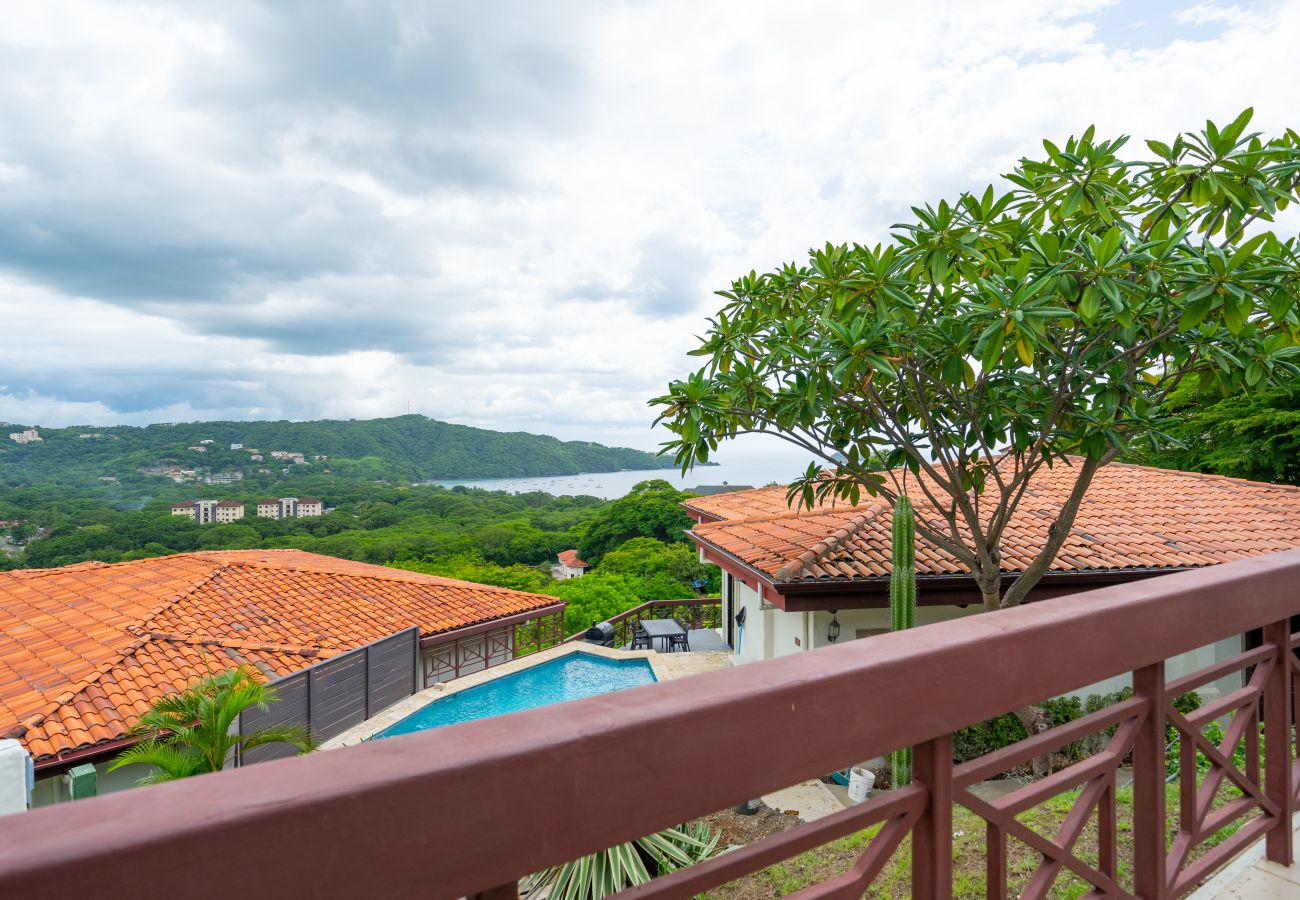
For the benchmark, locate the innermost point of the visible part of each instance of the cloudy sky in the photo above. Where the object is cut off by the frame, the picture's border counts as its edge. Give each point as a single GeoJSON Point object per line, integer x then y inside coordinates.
{"type": "Point", "coordinates": [511, 215]}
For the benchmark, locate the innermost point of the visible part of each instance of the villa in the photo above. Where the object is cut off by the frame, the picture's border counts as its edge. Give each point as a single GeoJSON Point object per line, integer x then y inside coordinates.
{"type": "Point", "coordinates": [85, 649]}
{"type": "Point", "coordinates": [797, 579]}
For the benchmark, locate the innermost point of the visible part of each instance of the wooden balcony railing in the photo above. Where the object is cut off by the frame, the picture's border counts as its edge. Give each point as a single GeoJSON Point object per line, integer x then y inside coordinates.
{"type": "Point", "coordinates": [697, 612]}
{"type": "Point", "coordinates": [468, 809]}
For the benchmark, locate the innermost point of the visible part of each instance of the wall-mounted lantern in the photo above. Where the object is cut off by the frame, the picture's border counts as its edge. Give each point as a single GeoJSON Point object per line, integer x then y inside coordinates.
{"type": "Point", "coordinates": [833, 632]}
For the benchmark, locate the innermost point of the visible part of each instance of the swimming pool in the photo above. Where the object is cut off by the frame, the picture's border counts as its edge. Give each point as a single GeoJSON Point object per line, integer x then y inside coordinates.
{"type": "Point", "coordinates": [570, 677]}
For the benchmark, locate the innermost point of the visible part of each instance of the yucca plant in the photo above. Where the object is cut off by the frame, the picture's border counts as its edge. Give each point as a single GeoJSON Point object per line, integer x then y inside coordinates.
{"type": "Point", "coordinates": [902, 606]}
{"type": "Point", "coordinates": [189, 733]}
{"type": "Point", "coordinates": [625, 865]}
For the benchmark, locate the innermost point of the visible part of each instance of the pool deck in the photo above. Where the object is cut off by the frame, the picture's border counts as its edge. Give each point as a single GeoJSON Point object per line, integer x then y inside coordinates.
{"type": "Point", "coordinates": [665, 666]}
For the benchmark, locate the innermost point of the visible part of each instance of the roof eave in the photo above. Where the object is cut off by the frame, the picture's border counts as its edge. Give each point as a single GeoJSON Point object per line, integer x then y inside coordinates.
{"type": "Point", "coordinates": [873, 591]}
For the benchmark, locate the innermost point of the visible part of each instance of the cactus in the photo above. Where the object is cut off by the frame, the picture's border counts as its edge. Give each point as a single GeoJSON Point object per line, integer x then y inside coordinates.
{"type": "Point", "coordinates": [902, 573]}
{"type": "Point", "coordinates": [902, 606]}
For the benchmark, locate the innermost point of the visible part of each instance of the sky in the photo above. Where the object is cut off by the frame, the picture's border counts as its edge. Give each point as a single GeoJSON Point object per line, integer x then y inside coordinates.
{"type": "Point", "coordinates": [512, 215]}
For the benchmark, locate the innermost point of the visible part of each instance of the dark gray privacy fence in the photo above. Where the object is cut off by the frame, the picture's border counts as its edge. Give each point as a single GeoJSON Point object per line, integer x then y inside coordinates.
{"type": "Point", "coordinates": [332, 696]}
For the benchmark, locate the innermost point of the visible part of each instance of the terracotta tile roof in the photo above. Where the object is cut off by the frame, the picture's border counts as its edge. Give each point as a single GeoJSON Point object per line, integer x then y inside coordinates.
{"type": "Point", "coordinates": [570, 559]}
{"type": "Point", "coordinates": [1133, 517]}
{"type": "Point", "coordinates": [84, 649]}
{"type": "Point", "coordinates": [229, 503]}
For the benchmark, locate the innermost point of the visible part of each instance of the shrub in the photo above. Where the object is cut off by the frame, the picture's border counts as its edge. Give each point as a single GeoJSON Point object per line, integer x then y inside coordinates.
{"type": "Point", "coordinates": [980, 739]}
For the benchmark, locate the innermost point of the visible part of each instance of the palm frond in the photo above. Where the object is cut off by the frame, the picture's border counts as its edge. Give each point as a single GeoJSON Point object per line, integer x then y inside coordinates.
{"type": "Point", "coordinates": [191, 732]}
{"type": "Point", "coordinates": [168, 761]}
{"type": "Point", "coordinates": [298, 735]}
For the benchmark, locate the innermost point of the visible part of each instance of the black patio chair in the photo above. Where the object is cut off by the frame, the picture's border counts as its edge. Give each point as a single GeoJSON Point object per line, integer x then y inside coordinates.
{"type": "Point", "coordinates": [640, 640]}
{"type": "Point", "coordinates": [682, 640]}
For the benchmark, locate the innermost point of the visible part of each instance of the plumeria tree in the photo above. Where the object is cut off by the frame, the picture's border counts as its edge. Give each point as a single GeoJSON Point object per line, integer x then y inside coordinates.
{"type": "Point", "coordinates": [1007, 331]}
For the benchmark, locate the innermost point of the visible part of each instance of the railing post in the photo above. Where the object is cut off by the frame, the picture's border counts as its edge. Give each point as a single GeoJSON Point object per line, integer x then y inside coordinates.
{"type": "Point", "coordinates": [932, 833]}
{"type": "Point", "coordinates": [1277, 743]}
{"type": "Point", "coordinates": [1149, 879]}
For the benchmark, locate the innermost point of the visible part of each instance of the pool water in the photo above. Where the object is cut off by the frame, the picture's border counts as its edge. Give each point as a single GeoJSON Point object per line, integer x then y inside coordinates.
{"type": "Point", "coordinates": [570, 677]}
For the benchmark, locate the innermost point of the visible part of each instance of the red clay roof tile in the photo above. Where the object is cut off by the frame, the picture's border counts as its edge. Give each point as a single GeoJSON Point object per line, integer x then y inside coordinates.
{"type": "Point", "coordinates": [84, 649]}
{"type": "Point", "coordinates": [1132, 517]}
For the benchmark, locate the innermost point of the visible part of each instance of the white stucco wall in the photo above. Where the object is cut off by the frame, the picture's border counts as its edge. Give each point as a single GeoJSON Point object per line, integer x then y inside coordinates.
{"type": "Point", "coordinates": [51, 789]}
{"type": "Point", "coordinates": [1185, 664]}
{"type": "Point", "coordinates": [752, 641]}
{"type": "Point", "coordinates": [772, 632]}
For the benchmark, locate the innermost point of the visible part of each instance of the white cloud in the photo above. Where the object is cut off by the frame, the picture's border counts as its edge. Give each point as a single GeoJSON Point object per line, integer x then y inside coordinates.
{"type": "Point", "coordinates": [1210, 14]}
{"type": "Point", "coordinates": [510, 216]}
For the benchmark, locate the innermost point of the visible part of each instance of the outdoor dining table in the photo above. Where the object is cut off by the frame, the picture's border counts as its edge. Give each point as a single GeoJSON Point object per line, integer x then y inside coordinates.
{"type": "Point", "coordinates": [662, 629]}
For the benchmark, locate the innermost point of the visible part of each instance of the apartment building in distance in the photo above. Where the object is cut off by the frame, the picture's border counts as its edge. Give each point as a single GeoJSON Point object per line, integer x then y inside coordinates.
{"type": "Point", "coordinates": [207, 512]}
{"type": "Point", "coordinates": [290, 508]}
{"type": "Point", "coordinates": [26, 436]}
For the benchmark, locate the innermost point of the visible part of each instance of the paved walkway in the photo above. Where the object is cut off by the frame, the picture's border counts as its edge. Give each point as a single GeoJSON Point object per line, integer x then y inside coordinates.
{"type": "Point", "coordinates": [810, 801]}
{"type": "Point", "coordinates": [1252, 876]}
{"type": "Point", "coordinates": [679, 665]}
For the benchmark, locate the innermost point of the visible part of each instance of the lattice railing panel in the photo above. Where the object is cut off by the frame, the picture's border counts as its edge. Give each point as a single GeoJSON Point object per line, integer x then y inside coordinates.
{"type": "Point", "coordinates": [1096, 780]}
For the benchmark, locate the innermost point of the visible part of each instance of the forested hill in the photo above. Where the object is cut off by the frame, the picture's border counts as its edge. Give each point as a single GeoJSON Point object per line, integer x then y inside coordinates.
{"type": "Point", "coordinates": [408, 448]}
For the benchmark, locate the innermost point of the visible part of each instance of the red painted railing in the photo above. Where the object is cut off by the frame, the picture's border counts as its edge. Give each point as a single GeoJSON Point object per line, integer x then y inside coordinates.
{"type": "Point", "coordinates": [448, 655]}
{"type": "Point", "coordinates": [697, 612]}
{"type": "Point", "coordinates": [469, 809]}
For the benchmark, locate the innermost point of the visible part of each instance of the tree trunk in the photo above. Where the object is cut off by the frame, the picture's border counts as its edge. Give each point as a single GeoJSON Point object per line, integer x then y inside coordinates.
{"type": "Point", "coordinates": [1036, 721]}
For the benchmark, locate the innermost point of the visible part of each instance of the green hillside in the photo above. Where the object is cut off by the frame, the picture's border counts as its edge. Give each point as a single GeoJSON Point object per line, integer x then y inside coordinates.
{"type": "Point", "coordinates": [404, 448]}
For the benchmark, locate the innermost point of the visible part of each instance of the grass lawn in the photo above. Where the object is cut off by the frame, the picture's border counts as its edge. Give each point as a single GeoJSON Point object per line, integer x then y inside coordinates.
{"type": "Point", "coordinates": [968, 854]}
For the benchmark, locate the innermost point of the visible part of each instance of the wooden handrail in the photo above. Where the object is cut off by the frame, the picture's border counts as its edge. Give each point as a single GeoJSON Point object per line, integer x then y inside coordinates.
{"type": "Point", "coordinates": [463, 809]}
{"type": "Point", "coordinates": [625, 620]}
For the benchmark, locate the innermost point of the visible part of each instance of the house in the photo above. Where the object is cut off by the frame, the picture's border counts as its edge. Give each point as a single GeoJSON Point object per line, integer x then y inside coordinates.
{"type": "Point", "coordinates": [84, 649]}
{"type": "Point", "coordinates": [236, 446]}
{"type": "Point", "coordinates": [310, 506]}
{"type": "Point", "coordinates": [708, 490]}
{"type": "Point", "coordinates": [796, 580]}
{"type": "Point", "coordinates": [223, 477]}
{"type": "Point", "coordinates": [184, 508]}
{"type": "Point", "coordinates": [569, 566]}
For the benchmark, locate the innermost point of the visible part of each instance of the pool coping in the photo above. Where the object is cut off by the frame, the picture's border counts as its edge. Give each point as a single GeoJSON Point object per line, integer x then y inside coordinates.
{"type": "Point", "coordinates": [405, 707]}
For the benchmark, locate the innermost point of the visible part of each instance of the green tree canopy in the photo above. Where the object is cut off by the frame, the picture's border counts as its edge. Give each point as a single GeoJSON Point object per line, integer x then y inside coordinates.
{"type": "Point", "coordinates": [651, 509]}
{"type": "Point", "coordinates": [1001, 332]}
{"type": "Point", "coordinates": [648, 558]}
{"type": "Point", "coordinates": [1252, 433]}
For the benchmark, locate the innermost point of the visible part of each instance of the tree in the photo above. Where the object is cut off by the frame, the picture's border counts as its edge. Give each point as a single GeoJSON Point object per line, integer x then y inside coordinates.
{"type": "Point", "coordinates": [1251, 434]}
{"type": "Point", "coordinates": [649, 558]}
{"type": "Point", "coordinates": [651, 509]}
{"type": "Point", "coordinates": [1006, 332]}
{"type": "Point", "coordinates": [597, 598]}
{"type": "Point", "coordinates": [473, 567]}
{"type": "Point", "coordinates": [190, 733]}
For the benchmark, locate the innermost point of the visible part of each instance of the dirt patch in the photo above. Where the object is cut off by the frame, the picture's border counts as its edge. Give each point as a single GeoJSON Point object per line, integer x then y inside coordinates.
{"type": "Point", "coordinates": [738, 830]}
